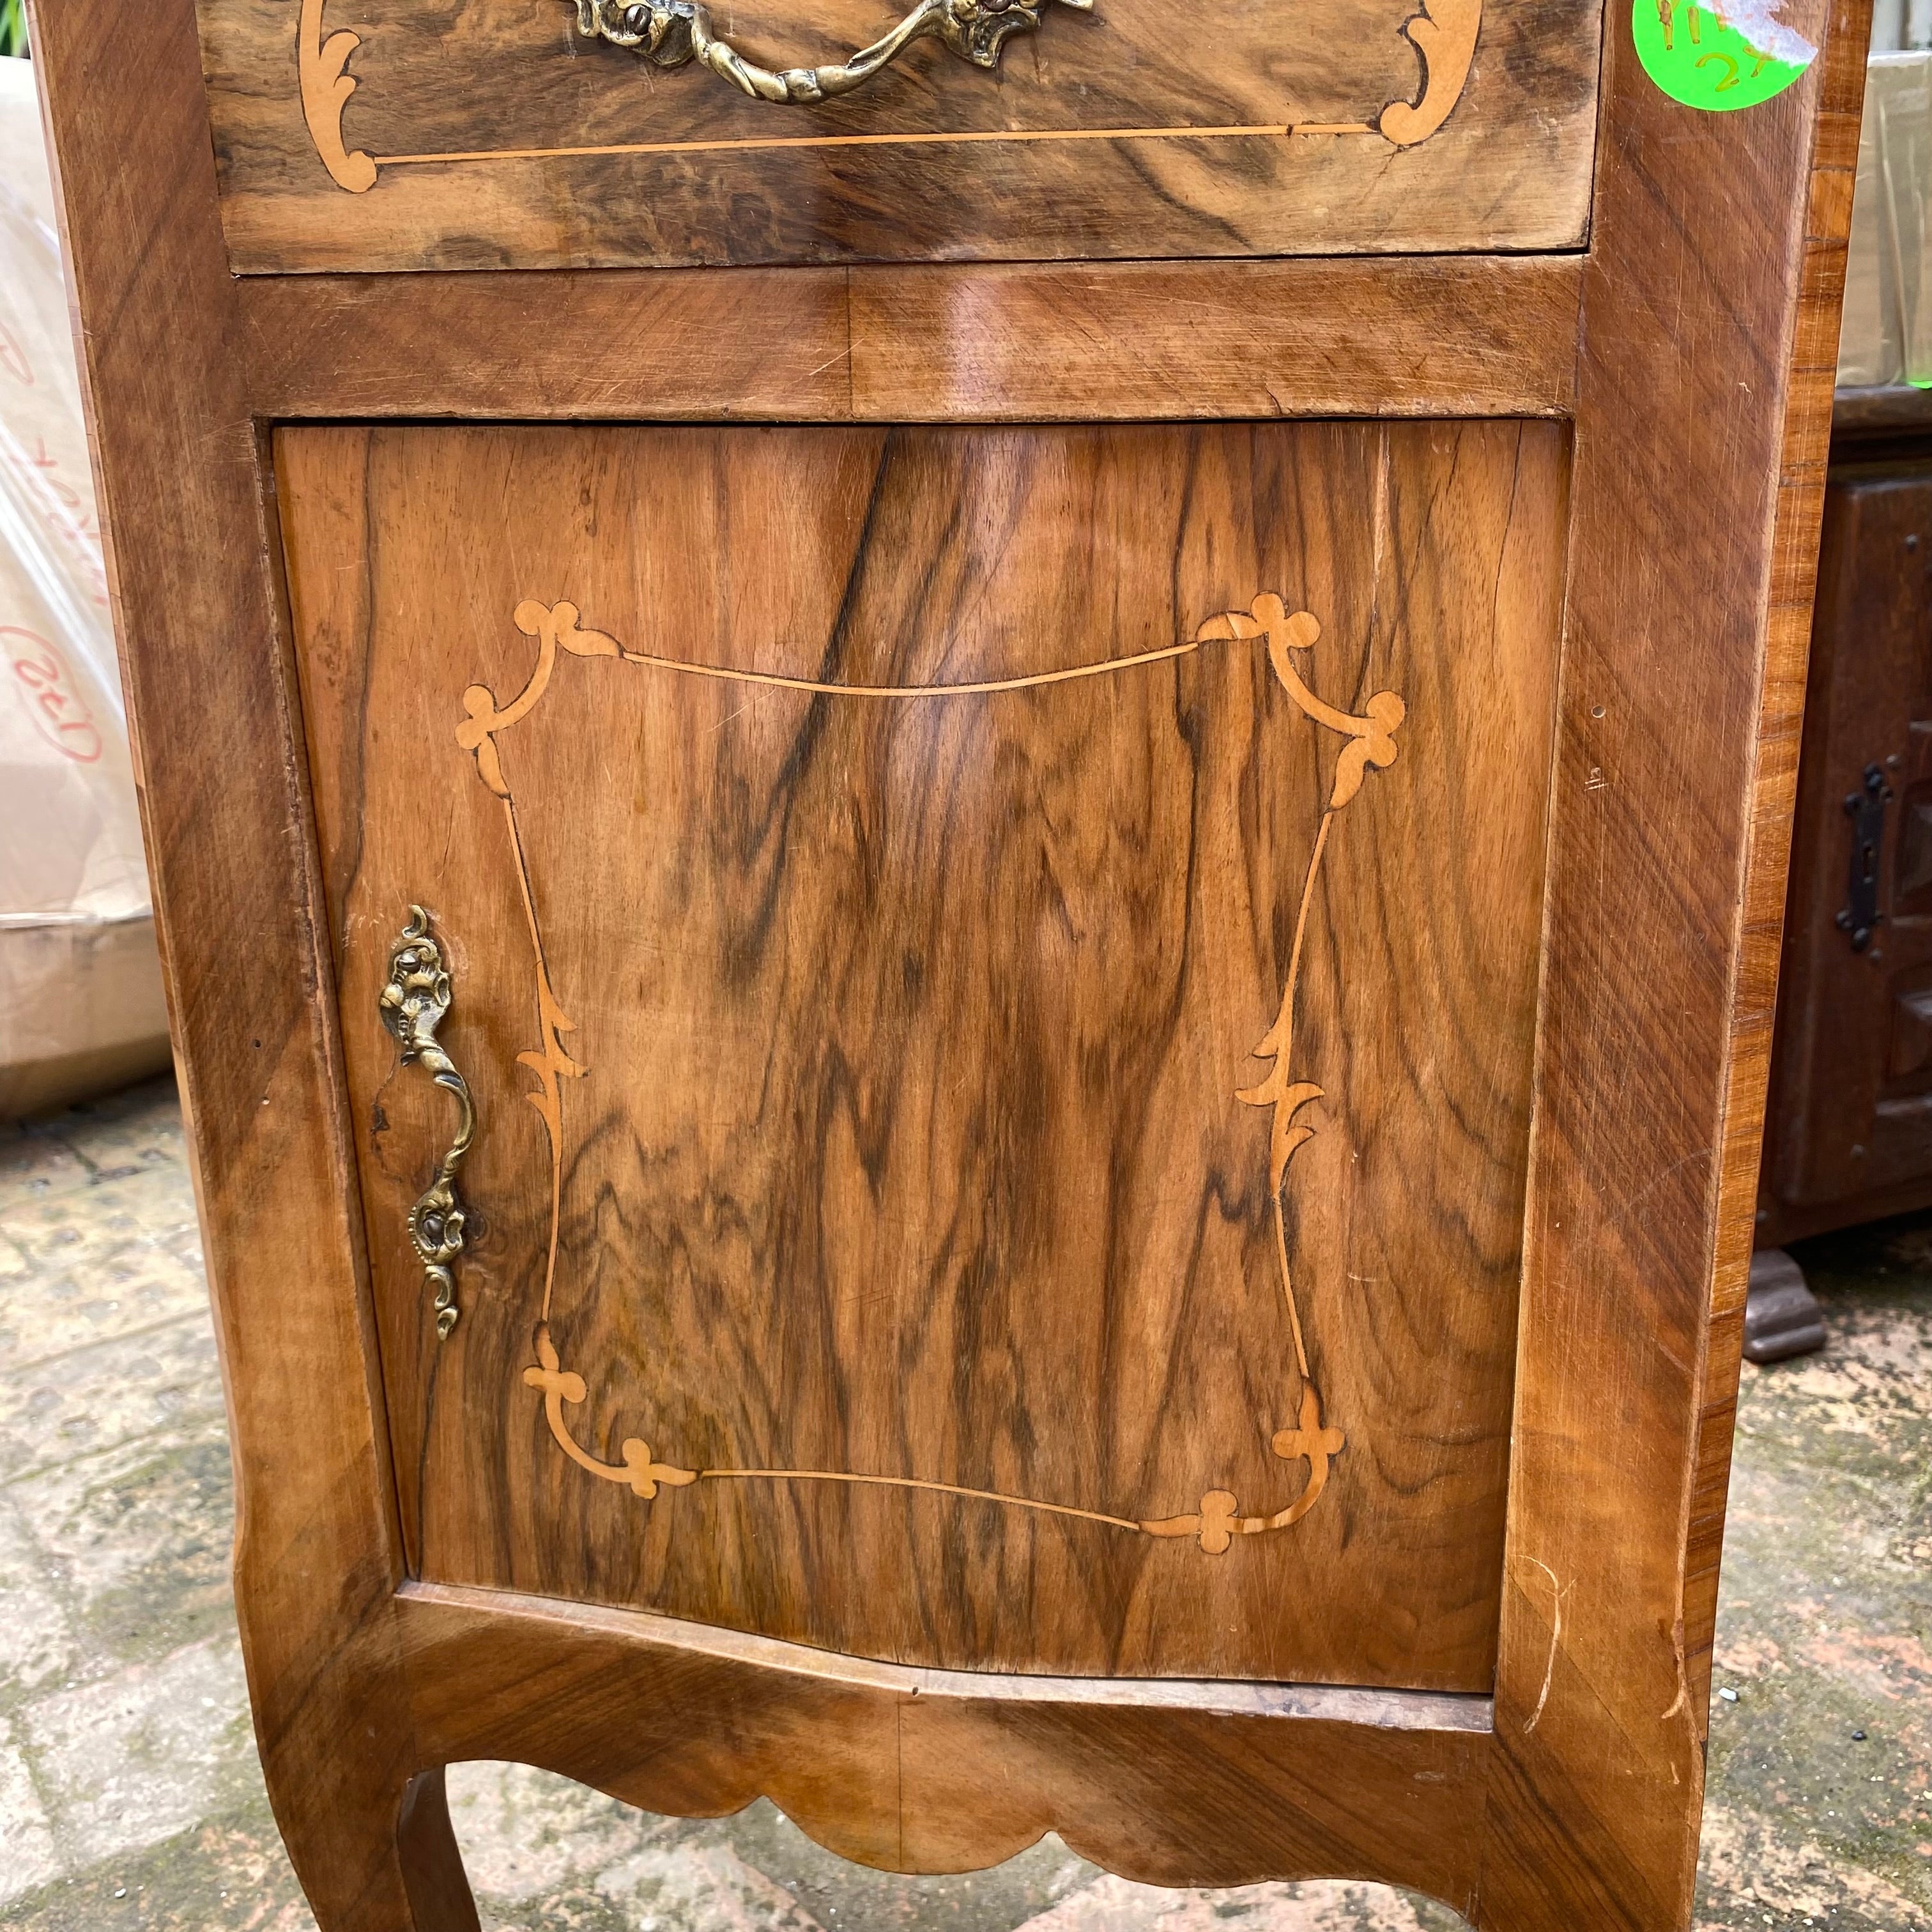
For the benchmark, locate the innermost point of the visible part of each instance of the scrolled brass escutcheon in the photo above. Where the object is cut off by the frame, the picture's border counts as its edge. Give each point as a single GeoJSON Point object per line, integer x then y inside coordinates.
{"type": "Point", "coordinates": [413, 1002]}
{"type": "Point", "coordinates": [668, 33]}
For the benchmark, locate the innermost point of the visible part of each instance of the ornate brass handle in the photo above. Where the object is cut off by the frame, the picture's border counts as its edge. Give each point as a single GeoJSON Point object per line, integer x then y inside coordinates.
{"type": "Point", "coordinates": [413, 1003]}
{"type": "Point", "coordinates": [668, 33]}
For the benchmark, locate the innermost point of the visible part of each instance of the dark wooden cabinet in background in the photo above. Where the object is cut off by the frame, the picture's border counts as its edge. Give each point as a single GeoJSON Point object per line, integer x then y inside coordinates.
{"type": "Point", "coordinates": [1848, 1131]}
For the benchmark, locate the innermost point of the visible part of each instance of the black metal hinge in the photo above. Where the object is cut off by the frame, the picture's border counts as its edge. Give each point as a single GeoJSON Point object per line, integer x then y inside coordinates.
{"type": "Point", "coordinates": [1866, 810]}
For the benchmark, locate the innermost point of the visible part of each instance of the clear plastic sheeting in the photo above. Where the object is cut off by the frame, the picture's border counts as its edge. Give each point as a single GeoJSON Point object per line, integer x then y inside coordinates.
{"type": "Point", "coordinates": [80, 997]}
{"type": "Point", "coordinates": [1887, 335]}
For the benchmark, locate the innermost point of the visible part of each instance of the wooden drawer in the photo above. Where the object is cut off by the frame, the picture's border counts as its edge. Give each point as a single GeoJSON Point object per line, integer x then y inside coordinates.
{"type": "Point", "coordinates": [1028, 1074]}
{"type": "Point", "coordinates": [368, 134]}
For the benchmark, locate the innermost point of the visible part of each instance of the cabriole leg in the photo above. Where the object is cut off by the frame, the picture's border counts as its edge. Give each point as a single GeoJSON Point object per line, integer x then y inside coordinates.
{"type": "Point", "coordinates": [373, 1858]}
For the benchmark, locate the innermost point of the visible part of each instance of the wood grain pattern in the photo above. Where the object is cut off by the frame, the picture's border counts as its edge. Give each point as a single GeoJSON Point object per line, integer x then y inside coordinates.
{"type": "Point", "coordinates": [1370, 743]}
{"type": "Point", "coordinates": [1171, 1784]}
{"type": "Point", "coordinates": [1688, 604]}
{"type": "Point", "coordinates": [905, 1195]}
{"type": "Point", "coordinates": [1487, 336]}
{"type": "Point", "coordinates": [385, 137]}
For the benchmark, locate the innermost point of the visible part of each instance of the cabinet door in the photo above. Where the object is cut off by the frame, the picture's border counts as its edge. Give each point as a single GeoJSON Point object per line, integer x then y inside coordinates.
{"type": "Point", "coordinates": [996, 971]}
{"type": "Point", "coordinates": [1851, 1128]}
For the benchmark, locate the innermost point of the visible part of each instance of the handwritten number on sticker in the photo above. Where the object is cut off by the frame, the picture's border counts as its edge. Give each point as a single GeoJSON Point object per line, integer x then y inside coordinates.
{"type": "Point", "coordinates": [59, 712]}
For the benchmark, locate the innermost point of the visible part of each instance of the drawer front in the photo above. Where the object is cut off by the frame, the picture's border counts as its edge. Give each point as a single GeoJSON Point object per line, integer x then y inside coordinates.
{"type": "Point", "coordinates": [995, 971]}
{"type": "Point", "coordinates": [368, 134]}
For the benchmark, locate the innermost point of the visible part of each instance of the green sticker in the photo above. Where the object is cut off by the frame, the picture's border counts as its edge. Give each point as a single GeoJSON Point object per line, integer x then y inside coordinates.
{"type": "Point", "coordinates": [1716, 58]}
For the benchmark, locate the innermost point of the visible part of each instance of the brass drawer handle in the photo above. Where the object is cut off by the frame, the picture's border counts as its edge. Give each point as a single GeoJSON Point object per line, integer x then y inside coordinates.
{"type": "Point", "coordinates": [413, 1004]}
{"type": "Point", "coordinates": [668, 33]}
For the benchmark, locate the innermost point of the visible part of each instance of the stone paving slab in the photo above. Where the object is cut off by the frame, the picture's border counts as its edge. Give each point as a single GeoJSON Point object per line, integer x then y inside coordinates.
{"type": "Point", "coordinates": [130, 1796]}
{"type": "Point", "coordinates": [38, 1648]}
{"type": "Point", "coordinates": [27, 1857]}
{"type": "Point", "coordinates": [134, 1759]}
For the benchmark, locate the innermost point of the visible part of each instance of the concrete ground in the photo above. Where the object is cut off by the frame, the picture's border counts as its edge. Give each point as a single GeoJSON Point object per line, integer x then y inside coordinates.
{"type": "Point", "coordinates": [130, 1794]}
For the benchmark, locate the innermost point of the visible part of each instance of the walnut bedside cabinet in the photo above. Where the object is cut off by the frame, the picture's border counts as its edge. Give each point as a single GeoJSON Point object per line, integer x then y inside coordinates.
{"type": "Point", "coordinates": [970, 858]}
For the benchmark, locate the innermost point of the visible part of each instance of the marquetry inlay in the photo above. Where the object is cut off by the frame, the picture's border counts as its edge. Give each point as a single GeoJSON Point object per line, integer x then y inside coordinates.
{"type": "Point", "coordinates": [1368, 741]}
{"type": "Point", "coordinates": [675, 32]}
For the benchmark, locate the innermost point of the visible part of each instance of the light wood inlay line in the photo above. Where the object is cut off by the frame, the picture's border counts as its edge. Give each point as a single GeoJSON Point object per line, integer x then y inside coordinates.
{"type": "Point", "coordinates": [552, 1061]}
{"type": "Point", "coordinates": [1276, 131]}
{"type": "Point", "coordinates": [982, 687]}
{"type": "Point", "coordinates": [921, 1483]}
{"type": "Point", "coordinates": [1287, 1100]}
{"type": "Point", "coordinates": [1371, 742]}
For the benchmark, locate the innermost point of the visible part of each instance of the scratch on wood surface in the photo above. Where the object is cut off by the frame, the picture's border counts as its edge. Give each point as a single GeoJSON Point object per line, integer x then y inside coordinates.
{"type": "Point", "coordinates": [1556, 1590]}
{"type": "Point", "coordinates": [1658, 1180]}
{"type": "Point", "coordinates": [1681, 1701]}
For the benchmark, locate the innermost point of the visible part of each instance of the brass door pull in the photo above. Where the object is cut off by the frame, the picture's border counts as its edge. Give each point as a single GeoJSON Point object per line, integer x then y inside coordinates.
{"type": "Point", "coordinates": [413, 1003]}
{"type": "Point", "coordinates": [668, 33]}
